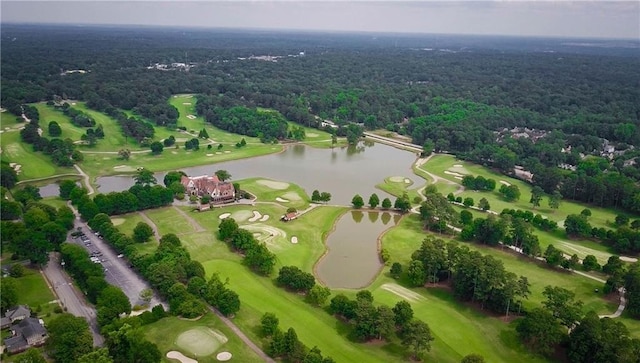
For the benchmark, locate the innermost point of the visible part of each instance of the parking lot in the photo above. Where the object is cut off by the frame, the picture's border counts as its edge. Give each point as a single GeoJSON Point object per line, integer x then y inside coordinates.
{"type": "Point", "coordinates": [116, 268]}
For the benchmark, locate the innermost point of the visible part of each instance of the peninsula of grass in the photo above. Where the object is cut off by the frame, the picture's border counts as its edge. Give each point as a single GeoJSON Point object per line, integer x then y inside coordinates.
{"type": "Point", "coordinates": [398, 186]}
{"type": "Point", "coordinates": [438, 164]}
{"type": "Point", "coordinates": [166, 332]}
{"type": "Point", "coordinates": [33, 165]}
{"type": "Point", "coordinates": [407, 236]}
{"type": "Point", "coordinates": [286, 194]}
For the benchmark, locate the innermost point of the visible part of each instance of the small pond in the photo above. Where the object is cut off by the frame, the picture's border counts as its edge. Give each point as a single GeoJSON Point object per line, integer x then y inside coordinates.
{"type": "Point", "coordinates": [352, 259]}
{"type": "Point", "coordinates": [342, 171]}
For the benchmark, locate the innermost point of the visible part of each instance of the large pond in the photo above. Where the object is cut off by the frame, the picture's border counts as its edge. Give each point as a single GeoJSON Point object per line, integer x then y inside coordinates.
{"type": "Point", "coordinates": [352, 259]}
{"type": "Point", "coordinates": [343, 172]}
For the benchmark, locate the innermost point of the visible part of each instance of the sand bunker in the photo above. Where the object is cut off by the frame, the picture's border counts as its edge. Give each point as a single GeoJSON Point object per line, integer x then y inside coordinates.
{"type": "Point", "coordinates": [264, 218]}
{"type": "Point", "coordinates": [267, 234]}
{"type": "Point", "coordinates": [273, 184]}
{"type": "Point", "coordinates": [124, 168]}
{"type": "Point", "coordinates": [227, 151]}
{"type": "Point", "coordinates": [278, 199]}
{"type": "Point", "coordinates": [209, 154]}
{"type": "Point", "coordinates": [223, 356]}
{"type": "Point", "coordinates": [311, 134]}
{"type": "Point", "coordinates": [294, 239]}
{"type": "Point", "coordinates": [191, 117]}
{"type": "Point", "coordinates": [174, 152]}
{"type": "Point", "coordinates": [117, 221]}
{"type": "Point", "coordinates": [186, 103]}
{"type": "Point", "coordinates": [256, 216]}
{"type": "Point", "coordinates": [457, 166]}
{"type": "Point", "coordinates": [179, 356]}
{"type": "Point", "coordinates": [291, 196]}
{"type": "Point", "coordinates": [402, 292]}
{"type": "Point", "coordinates": [397, 179]}
{"type": "Point", "coordinates": [241, 215]}
{"type": "Point", "coordinates": [407, 181]}
{"type": "Point", "coordinates": [218, 153]}
{"type": "Point", "coordinates": [505, 183]}
{"type": "Point", "coordinates": [458, 177]}
{"type": "Point", "coordinates": [224, 215]}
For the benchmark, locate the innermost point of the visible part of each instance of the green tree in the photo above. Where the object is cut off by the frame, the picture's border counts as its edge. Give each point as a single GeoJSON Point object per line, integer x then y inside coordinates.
{"type": "Point", "coordinates": [540, 331]}
{"type": "Point", "coordinates": [145, 177]}
{"type": "Point", "coordinates": [65, 187]}
{"type": "Point", "coordinates": [473, 358]}
{"type": "Point", "coordinates": [553, 256]}
{"type": "Point", "coordinates": [8, 176]}
{"type": "Point", "coordinates": [416, 335]}
{"type": "Point", "coordinates": [146, 295]}
{"type": "Point", "coordinates": [142, 232]}
{"type": "Point", "coordinates": [325, 197]}
{"type": "Point", "coordinates": [100, 355]}
{"type": "Point", "coordinates": [396, 270]}
{"type": "Point", "coordinates": [156, 147]}
{"type": "Point", "coordinates": [402, 203]}
{"type": "Point", "coordinates": [510, 193]}
{"type": "Point", "coordinates": [403, 313]}
{"type": "Point", "coordinates": [427, 147]}
{"type": "Point", "coordinates": [172, 177]}
{"type": "Point", "coordinates": [590, 263]}
{"type": "Point", "coordinates": [357, 201]}
{"type": "Point", "coordinates": [562, 305]}
{"type": "Point", "coordinates": [32, 355]}
{"type": "Point", "coordinates": [124, 154]}
{"type": "Point", "coordinates": [554, 200]}
{"type": "Point", "coordinates": [111, 303]}
{"type": "Point", "coordinates": [223, 175]}
{"type": "Point", "coordinates": [386, 203]}
{"type": "Point", "coordinates": [621, 220]}
{"type": "Point", "coordinates": [536, 196]}
{"type": "Point", "coordinates": [8, 293]}
{"type": "Point", "coordinates": [54, 129]}
{"type": "Point", "coordinates": [468, 202]}
{"type": "Point", "coordinates": [69, 338]}
{"type": "Point", "coordinates": [227, 228]}
{"type": "Point", "coordinates": [315, 196]}
{"type": "Point", "coordinates": [484, 204]}
{"type": "Point", "coordinates": [318, 295]}
{"type": "Point", "coordinates": [269, 323]}
{"type": "Point", "coordinates": [374, 200]}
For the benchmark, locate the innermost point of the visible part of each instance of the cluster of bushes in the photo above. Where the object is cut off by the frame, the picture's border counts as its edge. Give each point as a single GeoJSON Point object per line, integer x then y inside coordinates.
{"type": "Point", "coordinates": [537, 220]}
{"type": "Point", "coordinates": [478, 183]}
{"type": "Point", "coordinates": [77, 117]}
{"type": "Point", "coordinates": [193, 144]}
{"type": "Point", "coordinates": [42, 229]}
{"type": "Point", "coordinates": [256, 255]}
{"type": "Point", "coordinates": [624, 239]}
{"type": "Point", "coordinates": [370, 322]}
{"type": "Point", "coordinates": [131, 127]}
{"type": "Point", "coordinates": [286, 345]}
{"type": "Point", "coordinates": [294, 279]}
{"type": "Point", "coordinates": [316, 196]}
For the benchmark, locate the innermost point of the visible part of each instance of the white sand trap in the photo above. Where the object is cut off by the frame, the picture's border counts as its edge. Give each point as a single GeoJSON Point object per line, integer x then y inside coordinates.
{"type": "Point", "coordinates": [179, 356]}
{"type": "Point", "coordinates": [191, 117]}
{"type": "Point", "coordinates": [241, 215]}
{"type": "Point", "coordinates": [256, 216]}
{"type": "Point", "coordinates": [294, 239]}
{"type": "Point", "coordinates": [227, 151]}
{"type": "Point", "coordinates": [223, 356]}
{"type": "Point", "coordinates": [453, 173]}
{"type": "Point", "coordinates": [278, 199]}
{"type": "Point", "coordinates": [628, 259]}
{"type": "Point", "coordinates": [124, 168]}
{"type": "Point", "coordinates": [218, 153]}
{"type": "Point", "coordinates": [397, 179]}
{"type": "Point", "coordinates": [73, 103]}
{"type": "Point", "coordinates": [291, 196]}
{"type": "Point", "coordinates": [186, 103]}
{"type": "Point", "coordinates": [174, 152]}
{"type": "Point", "coordinates": [505, 183]}
{"type": "Point", "coordinates": [117, 221]}
{"type": "Point", "coordinates": [273, 184]}
{"type": "Point", "coordinates": [272, 236]}
{"type": "Point", "coordinates": [311, 134]}
{"type": "Point", "coordinates": [407, 181]}
{"type": "Point", "coordinates": [402, 292]}
{"type": "Point", "coordinates": [458, 177]}
{"type": "Point", "coordinates": [264, 218]}
{"type": "Point", "coordinates": [209, 154]}
{"type": "Point", "coordinates": [457, 166]}
{"type": "Point", "coordinates": [224, 215]}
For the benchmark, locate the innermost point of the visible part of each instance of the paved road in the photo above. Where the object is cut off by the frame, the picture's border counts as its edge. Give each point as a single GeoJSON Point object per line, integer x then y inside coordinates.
{"type": "Point", "coordinates": [70, 297]}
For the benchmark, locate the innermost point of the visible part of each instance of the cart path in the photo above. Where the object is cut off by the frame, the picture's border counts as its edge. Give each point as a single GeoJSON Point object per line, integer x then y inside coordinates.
{"type": "Point", "coordinates": [151, 224]}
{"type": "Point", "coordinates": [86, 179]}
{"type": "Point", "coordinates": [194, 223]}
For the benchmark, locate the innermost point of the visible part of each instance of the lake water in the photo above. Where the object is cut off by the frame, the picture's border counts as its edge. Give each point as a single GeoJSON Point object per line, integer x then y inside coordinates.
{"type": "Point", "coordinates": [343, 171]}
{"type": "Point", "coordinates": [352, 259]}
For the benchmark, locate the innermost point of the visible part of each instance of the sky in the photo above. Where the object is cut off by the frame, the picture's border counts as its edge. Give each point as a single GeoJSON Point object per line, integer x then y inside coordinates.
{"type": "Point", "coordinates": [556, 18]}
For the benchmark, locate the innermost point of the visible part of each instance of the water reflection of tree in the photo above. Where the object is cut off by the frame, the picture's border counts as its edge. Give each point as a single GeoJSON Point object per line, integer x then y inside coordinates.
{"type": "Point", "coordinates": [357, 216]}
{"type": "Point", "coordinates": [355, 149]}
{"type": "Point", "coordinates": [385, 218]}
{"type": "Point", "coordinates": [373, 216]}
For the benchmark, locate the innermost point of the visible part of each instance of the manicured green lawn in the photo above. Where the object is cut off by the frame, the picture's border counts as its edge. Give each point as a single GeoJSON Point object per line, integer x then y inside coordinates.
{"type": "Point", "coordinates": [397, 186]}
{"type": "Point", "coordinates": [34, 292]}
{"type": "Point", "coordinates": [295, 196]}
{"type": "Point", "coordinates": [165, 332]}
{"type": "Point", "coordinates": [169, 221]}
{"type": "Point", "coordinates": [49, 113]}
{"type": "Point", "coordinates": [33, 165]}
{"type": "Point", "coordinates": [55, 202]}
{"type": "Point", "coordinates": [9, 120]}
{"type": "Point", "coordinates": [114, 139]}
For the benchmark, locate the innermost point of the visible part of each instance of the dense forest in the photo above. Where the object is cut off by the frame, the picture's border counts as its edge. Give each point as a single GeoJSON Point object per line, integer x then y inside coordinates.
{"type": "Point", "coordinates": [569, 114]}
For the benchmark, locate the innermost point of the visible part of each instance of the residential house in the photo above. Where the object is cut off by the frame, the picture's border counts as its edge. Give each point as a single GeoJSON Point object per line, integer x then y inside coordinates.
{"type": "Point", "coordinates": [218, 191]}
{"type": "Point", "coordinates": [30, 332]}
{"type": "Point", "coordinates": [19, 312]}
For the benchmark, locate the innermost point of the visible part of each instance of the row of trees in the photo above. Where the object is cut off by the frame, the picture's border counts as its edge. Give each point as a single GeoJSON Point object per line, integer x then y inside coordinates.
{"type": "Point", "coordinates": [286, 345]}
{"type": "Point", "coordinates": [403, 204]}
{"type": "Point", "coordinates": [256, 255]}
{"type": "Point", "coordinates": [624, 239]}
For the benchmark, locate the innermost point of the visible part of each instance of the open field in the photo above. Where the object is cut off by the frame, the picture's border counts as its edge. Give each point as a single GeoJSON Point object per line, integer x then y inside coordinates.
{"type": "Point", "coordinates": [10, 121]}
{"type": "Point", "coordinates": [34, 292]}
{"type": "Point", "coordinates": [33, 165]}
{"type": "Point", "coordinates": [405, 238]}
{"type": "Point", "coordinates": [166, 333]}
{"type": "Point", "coordinates": [439, 164]}
{"type": "Point", "coordinates": [49, 113]}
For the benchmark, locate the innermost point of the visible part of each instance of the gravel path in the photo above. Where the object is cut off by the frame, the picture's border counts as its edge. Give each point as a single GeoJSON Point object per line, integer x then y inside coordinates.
{"type": "Point", "coordinates": [151, 224]}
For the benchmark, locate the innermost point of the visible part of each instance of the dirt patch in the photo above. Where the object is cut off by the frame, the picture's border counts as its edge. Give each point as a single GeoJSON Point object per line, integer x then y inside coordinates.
{"type": "Point", "coordinates": [273, 184]}
{"type": "Point", "coordinates": [402, 292]}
